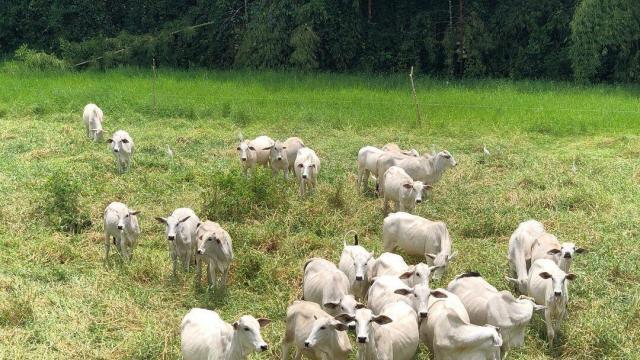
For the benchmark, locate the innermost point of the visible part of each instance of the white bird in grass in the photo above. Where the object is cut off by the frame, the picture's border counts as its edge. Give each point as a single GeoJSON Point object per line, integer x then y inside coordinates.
{"type": "Point", "coordinates": [574, 168]}
{"type": "Point", "coordinates": [485, 150]}
{"type": "Point", "coordinates": [169, 152]}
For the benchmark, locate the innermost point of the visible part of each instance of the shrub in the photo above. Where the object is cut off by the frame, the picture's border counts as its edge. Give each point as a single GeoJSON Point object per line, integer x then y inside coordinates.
{"type": "Point", "coordinates": [37, 60]}
{"type": "Point", "coordinates": [230, 196]}
{"type": "Point", "coordinates": [61, 203]}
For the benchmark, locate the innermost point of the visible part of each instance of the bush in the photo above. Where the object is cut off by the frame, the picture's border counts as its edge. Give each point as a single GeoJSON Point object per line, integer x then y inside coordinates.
{"type": "Point", "coordinates": [61, 203]}
{"type": "Point", "coordinates": [230, 196]}
{"type": "Point", "coordinates": [36, 60]}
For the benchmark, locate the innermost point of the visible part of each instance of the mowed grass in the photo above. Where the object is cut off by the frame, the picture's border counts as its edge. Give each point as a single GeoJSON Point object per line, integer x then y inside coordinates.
{"type": "Point", "coordinates": [58, 301]}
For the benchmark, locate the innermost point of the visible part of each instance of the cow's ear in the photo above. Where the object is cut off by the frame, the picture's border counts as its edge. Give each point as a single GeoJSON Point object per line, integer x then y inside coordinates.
{"type": "Point", "coordinates": [571, 276]}
{"type": "Point", "coordinates": [252, 148]}
{"type": "Point", "coordinates": [340, 326]}
{"type": "Point", "coordinates": [407, 185]}
{"type": "Point", "coordinates": [382, 319]}
{"type": "Point", "coordinates": [344, 318]}
{"type": "Point", "coordinates": [360, 306]}
{"type": "Point", "coordinates": [431, 256]}
{"type": "Point", "coordinates": [403, 291]}
{"type": "Point", "coordinates": [330, 305]}
{"type": "Point", "coordinates": [406, 275]}
{"type": "Point", "coordinates": [581, 250]}
{"type": "Point", "coordinates": [554, 252]}
{"type": "Point", "coordinates": [161, 220]}
{"type": "Point", "coordinates": [264, 322]}
{"type": "Point", "coordinates": [235, 325]}
{"type": "Point", "coordinates": [109, 141]}
{"type": "Point", "coordinates": [545, 275]}
{"type": "Point", "coordinates": [439, 294]}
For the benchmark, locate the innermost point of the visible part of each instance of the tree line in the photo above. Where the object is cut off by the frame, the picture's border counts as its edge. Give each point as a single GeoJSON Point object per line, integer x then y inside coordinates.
{"type": "Point", "coordinates": [587, 40]}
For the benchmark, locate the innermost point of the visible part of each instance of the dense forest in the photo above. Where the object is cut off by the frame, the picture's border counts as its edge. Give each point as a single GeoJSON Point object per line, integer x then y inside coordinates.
{"type": "Point", "coordinates": [589, 40]}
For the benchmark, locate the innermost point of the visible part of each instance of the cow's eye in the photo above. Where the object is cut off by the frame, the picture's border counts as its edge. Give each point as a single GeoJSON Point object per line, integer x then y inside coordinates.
{"type": "Point", "coordinates": [247, 329]}
{"type": "Point", "coordinates": [322, 327]}
{"type": "Point", "coordinates": [209, 239]}
{"type": "Point", "coordinates": [418, 274]}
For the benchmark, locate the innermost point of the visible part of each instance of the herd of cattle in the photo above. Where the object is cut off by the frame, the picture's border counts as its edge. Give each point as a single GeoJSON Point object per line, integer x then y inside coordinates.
{"type": "Point", "coordinates": [389, 304]}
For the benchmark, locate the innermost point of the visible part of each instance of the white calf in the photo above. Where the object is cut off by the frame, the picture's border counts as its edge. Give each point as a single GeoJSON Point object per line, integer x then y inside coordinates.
{"type": "Point", "coordinates": [205, 336]}
{"type": "Point", "coordinates": [181, 225]}
{"type": "Point", "coordinates": [419, 236]}
{"type": "Point", "coordinates": [355, 262]}
{"type": "Point", "coordinates": [315, 333]}
{"type": "Point", "coordinates": [486, 305]}
{"type": "Point", "coordinates": [92, 118]}
{"type": "Point", "coordinates": [548, 286]}
{"type": "Point", "coordinates": [253, 153]}
{"type": "Point", "coordinates": [393, 334]}
{"type": "Point", "coordinates": [121, 223]}
{"type": "Point", "coordinates": [547, 246]}
{"type": "Point", "coordinates": [283, 155]}
{"type": "Point", "coordinates": [520, 245]}
{"type": "Point", "coordinates": [401, 189]}
{"type": "Point", "coordinates": [328, 287]}
{"type": "Point", "coordinates": [307, 167]}
{"type": "Point", "coordinates": [121, 145]}
{"type": "Point", "coordinates": [215, 249]}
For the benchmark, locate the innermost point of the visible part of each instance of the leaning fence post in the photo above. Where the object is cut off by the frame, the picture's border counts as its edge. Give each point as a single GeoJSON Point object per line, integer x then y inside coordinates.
{"type": "Point", "coordinates": [415, 98]}
{"type": "Point", "coordinates": [155, 106]}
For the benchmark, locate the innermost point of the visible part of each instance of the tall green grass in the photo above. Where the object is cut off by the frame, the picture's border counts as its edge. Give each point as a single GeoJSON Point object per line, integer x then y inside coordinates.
{"type": "Point", "coordinates": [58, 301]}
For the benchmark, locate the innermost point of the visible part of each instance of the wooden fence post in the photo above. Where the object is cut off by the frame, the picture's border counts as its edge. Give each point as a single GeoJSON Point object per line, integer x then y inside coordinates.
{"type": "Point", "coordinates": [155, 76]}
{"type": "Point", "coordinates": [415, 98]}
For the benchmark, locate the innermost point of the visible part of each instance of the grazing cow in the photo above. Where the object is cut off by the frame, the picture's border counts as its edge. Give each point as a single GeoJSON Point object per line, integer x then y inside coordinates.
{"type": "Point", "coordinates": [121, 145]}
{"type": "Point", "coordinates": [419, 236]}
{"type": "Point", "coordinates": [401, 189]}
{"type": "Point", "coordinates": [520, 245]}
{"type": "Point", "coordinates": [355, 262]}
{"type": "Point", "coordinates": [214, 247]}
{"type": "Point", "coordinates": [486, 305]}
{"type": "Point", "coordinates": [368, 161]}
{"type": "Point", "coordinates": [548, 287]}
{"type": "Point", "coordinates": [328, 287]}
{"type": "Point", "coordinates": [449, 335]}
{"type": "Point", "coordinates": [283, 155]}
{"type": "Point", "coordinates": [182, 226]}
{"type": "Point", "coordinates": [205, 336]}
{"type": "Point", "coordinates": [393, 264]}
{"type": "Point", "coordinates": [426, 168]}
{"type": "Point", "coordinates": [392, 334]}
{"type": "Point", "coordinates": [315, 333]}
{"type": "Point", "coordinates": [547, 246]}
{"type": "Point", "coordinates": [253, 153]}
{"type": "Point", "coordinates": [121, 223]}
{"type": "Point", "coordinates": [388, 289]}
{"type": "Point", "coordinates": [307, 167]}
{"type": "Point", "coordinates": [92, 118]}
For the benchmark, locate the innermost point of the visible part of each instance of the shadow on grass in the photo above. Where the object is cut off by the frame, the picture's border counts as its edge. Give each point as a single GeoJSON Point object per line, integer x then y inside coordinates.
{"type": "Point", "coordinates": [539, 327]}
{"type": "Point", "coordinates": [211, 298]}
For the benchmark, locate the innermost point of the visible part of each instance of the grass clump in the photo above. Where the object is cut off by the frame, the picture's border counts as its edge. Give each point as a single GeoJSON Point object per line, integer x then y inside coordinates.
{"type": "Point", "coordinates": [231, 196]}
{"type": "Point", "coordinates": [30, 59]}
{"type": "Point", "coordinates": [61, 203]}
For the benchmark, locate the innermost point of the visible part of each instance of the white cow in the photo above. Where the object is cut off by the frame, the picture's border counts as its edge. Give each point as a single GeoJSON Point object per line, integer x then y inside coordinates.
{"type": "Point", "coordinates": [307, 167]}
{"type": "Point", "coordinates": [388, 289]}
{"type": "Point", "coordinates": [368, 161]}
{"type": "Point", "coordinates": [215, 248]}
{"type": "Point", "coordinates": [283, 155]}
{"type": "Point", "coordinates": [355, 262]}
{"type": "Point", "coordinates": [121, 144]}
{"type": "Point", "coordinates": [400, 188]}
{"type": "Point", "coordinates": [419, 236]}
{"type": "Point", "coordinates": [182, 227]}
{"type": "Point", "coordinates": [548, 286]}
{"type": "Point", "coordinates": [449, 335]}
{"type": "Point", "coordinates": [328, 287]}
{"type": "Point", "coordinates": [486, 305]}
{"type": "Point", "coordinates": [393, 264]}
{"type": "Point", "coordinates": [92, 117]}
{"type": "Point", "coordinates": [205, 336]}
{"type": "Point", "coordinates": [253, 153]}
{"type": "Point", "coordinates": [426, 168]}
{"type": "Point", "coordinates": [121, 223]}
{"type": "Point", "coordinates": [547, 246]}
{"type": "Point", "coordinates": [520, 245]}
{"type": "Point", "coordinates": [315, 333]}
{"type": "Point", "coordinates": [392, 334]}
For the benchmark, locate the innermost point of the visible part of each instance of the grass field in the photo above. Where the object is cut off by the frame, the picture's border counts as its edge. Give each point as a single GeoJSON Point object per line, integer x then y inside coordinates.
{"type": "Point", "coordinates": [58, 301]}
